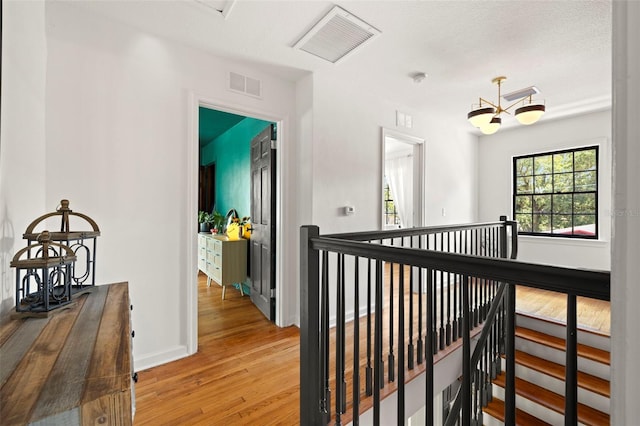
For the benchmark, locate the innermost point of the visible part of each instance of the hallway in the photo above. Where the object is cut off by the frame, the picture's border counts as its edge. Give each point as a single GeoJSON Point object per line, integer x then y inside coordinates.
{"type": "Point", "coordinates": [246, 370]}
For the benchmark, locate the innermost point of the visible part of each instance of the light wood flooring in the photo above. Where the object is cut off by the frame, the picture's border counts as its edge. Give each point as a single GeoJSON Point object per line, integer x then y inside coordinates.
{"type": "Point", "coordinates": [246, 370]}
{"type": "Point", "coordinates": [593, 315]}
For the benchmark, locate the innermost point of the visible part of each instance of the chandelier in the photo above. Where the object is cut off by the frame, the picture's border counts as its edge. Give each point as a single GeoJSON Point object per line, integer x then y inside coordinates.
{"type": "Point", "coordinates": [486, 115]}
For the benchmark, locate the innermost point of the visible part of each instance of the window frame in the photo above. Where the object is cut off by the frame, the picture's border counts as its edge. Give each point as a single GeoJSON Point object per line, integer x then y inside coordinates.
{"type": "Point", "coordinates": [553, 192]}
{"type": "Point", "coordinates": [388, 197]}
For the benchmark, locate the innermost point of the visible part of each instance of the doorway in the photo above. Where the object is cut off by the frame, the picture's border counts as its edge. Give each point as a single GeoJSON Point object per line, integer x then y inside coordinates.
{"type": "Point", "coordinates": [193, 198]}
{"type": "Point", "coordinates": [239, 150]}
{"type": "Point", "coordinates": [402, 180]}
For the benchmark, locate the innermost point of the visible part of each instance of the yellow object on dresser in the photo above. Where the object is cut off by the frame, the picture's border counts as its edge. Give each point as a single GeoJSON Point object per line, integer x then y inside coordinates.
{"type": "Point", "coordinates": [234, 231]}
{"type": "Point", "coordinates": [223, 260]}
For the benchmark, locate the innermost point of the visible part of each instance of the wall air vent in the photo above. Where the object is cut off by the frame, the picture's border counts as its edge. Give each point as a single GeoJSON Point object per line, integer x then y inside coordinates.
{"type": "Point", "coordinates": [336, 36]}
{"type": "Point", "coordinates": [246, 85]}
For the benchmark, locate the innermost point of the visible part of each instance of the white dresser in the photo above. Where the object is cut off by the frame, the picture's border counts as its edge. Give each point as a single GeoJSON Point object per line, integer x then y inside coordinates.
{"type": "Point", "coordinates": [222, 260]}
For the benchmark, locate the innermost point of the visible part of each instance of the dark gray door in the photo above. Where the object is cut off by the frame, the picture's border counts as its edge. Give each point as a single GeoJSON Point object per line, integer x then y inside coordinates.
{"type": "Point", "coordinates": [263, 213]}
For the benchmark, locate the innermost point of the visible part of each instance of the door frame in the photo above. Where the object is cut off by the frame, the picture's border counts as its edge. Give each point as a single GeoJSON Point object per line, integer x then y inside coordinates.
{"type": "Point", "coordinates": [418, 173]}
{"type": "Point", "coordinates": [191, 209]}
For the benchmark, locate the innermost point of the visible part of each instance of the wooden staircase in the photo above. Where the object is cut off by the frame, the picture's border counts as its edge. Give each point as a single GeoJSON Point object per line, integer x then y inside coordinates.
{"type": "Point", "coordinates": [540, 373]}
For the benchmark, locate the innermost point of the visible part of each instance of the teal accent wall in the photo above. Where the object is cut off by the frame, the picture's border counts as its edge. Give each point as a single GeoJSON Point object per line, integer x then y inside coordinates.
{"type": "Point", "coordinates": [231, 153]}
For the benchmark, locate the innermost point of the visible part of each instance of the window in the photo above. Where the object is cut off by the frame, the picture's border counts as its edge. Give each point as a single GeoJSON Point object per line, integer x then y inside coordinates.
{"type": "Point", "coordinates": [391, 218]}
{"type": "Point", "coordinates": [556, 193]}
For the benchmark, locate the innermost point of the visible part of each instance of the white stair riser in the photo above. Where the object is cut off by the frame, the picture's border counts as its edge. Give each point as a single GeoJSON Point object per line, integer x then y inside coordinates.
{"type": "Point", "coordinates": [488, 420]}
{"type": "Point", "coordinates": [585, 397]}
{"type": "Point", "coordinates": [532, 408]}
{"type": "Point", "coordinates": [595, 340]}
{"type": "Point", "coordinates": [559, 356]}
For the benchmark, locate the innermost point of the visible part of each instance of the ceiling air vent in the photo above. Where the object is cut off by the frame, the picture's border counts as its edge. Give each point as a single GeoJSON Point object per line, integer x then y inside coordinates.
{"type": "Point", "coordinates": [243, 84]}
{"type": "Point", "coordinates": [336, 36]}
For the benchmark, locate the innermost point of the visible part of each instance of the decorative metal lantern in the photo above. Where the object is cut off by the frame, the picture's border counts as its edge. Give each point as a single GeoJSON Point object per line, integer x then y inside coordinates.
{"type": "Point", "coordinates": [43, 275]}
{"type": "Point", "coordinates": [83, 244]}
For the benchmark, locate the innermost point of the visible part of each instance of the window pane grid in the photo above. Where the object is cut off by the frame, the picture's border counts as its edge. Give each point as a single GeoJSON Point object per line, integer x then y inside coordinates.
{"type": "Point", "coordinates": [556, 193]}
{"type": "Point", "coordinates": [391, 216]}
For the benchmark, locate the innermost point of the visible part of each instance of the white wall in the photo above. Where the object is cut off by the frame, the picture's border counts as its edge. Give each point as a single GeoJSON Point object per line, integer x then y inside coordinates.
{"type": "Point", "coordinates": [495, 184]}
{"type": "Point", "coordinates": [625, 291]}
{"type": "Point", "coordinates": [347, 164]}
{"type": "Point", "coordinates": [116, 144]}
{"type": "Point", "coordinates": [22, 141]}
{"type": "Point", "coordinates": [114, 133]}
{"type": "Point", "coordinates": [347, 158]}
{"type": "Point", "coordinates": [451, 171]}
{"type": "Point", "coordinates": [303, 174]}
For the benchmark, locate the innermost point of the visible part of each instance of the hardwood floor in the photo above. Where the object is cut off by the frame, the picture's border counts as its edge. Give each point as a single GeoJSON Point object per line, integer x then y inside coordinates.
{"type": "Point", "coordinates": [593, 315]}
{"type": "Point", "coordinates": [246, 370]}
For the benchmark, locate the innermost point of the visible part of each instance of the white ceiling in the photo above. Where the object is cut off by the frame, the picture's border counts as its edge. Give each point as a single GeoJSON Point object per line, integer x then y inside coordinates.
{"type": "Point", "coordinates": [563, 47]}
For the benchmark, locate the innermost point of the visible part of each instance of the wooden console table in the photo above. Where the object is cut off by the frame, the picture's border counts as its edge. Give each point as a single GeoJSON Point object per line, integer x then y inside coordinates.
{"type": "Point", "coordinates": [72, 367]}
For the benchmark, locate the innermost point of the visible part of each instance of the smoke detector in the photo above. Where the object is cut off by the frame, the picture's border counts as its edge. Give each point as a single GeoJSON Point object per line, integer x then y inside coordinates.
{"type": "Point", "coordinates": [418, 77]}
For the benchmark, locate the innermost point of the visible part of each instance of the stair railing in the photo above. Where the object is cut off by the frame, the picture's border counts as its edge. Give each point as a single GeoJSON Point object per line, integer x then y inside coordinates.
{"type": "Point", "coordinates": [471, 288]}
{"type": "Point", "coordinates": [572, 282]}
{"type": "Point", "coordinates": [412, 283]}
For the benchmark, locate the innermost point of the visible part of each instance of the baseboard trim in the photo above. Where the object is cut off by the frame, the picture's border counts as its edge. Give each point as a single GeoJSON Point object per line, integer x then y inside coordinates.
{"type": "Point", "coordinates": [147, 361]}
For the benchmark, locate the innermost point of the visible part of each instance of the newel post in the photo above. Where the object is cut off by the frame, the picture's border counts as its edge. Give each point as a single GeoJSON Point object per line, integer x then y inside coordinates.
{"type": "Point", "coordinates": [504, 246]}
{"type": "Point", "coordinates": [309, 329]}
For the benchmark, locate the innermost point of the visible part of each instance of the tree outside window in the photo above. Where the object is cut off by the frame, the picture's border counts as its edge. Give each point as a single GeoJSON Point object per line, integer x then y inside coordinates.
{"type": "Point", "coordinates": [556, 193]}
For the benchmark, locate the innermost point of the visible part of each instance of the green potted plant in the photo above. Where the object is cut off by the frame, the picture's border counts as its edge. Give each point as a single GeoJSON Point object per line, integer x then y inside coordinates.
{"type": "Point", "coordinates": [204, 219]}
{"type": "Point", "coordinates": [217, 219]}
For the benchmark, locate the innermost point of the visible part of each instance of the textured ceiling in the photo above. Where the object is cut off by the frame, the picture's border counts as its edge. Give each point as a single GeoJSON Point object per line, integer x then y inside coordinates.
{"type": "Point", "coordinates": [562, 47]}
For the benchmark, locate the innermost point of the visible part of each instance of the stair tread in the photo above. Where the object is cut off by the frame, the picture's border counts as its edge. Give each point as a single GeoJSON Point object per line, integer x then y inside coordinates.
{"type": "Point", "coordinates": [553, 401]}
{"type": "Point", "coordinates": [584, 351]}
{"type": "Point", "coordinates": [585, 380]}
{"type": "Point", "coordinates": [495, 409]}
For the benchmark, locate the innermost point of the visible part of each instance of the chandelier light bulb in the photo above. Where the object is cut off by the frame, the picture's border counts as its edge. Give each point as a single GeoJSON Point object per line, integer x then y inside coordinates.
{"type": "Point", "coordinates": [481, 116]}
{"type": "Point", "coordinates": [492, 127]}
{"type": "Point", "coordinates": [529, 114]}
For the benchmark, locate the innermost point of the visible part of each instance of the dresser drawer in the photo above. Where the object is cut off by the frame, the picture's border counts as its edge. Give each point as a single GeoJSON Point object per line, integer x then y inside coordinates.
{"type": "Point", "coordinates": [202, 252]}
{"type": "Point", "coordinates": [210, 269]}
{"type": "Point", "coordinates": [216, 274]}
{"type": "Point", "coordinates": [211, 255]}
{"type": "Point", "coordinates": [216, 246]}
